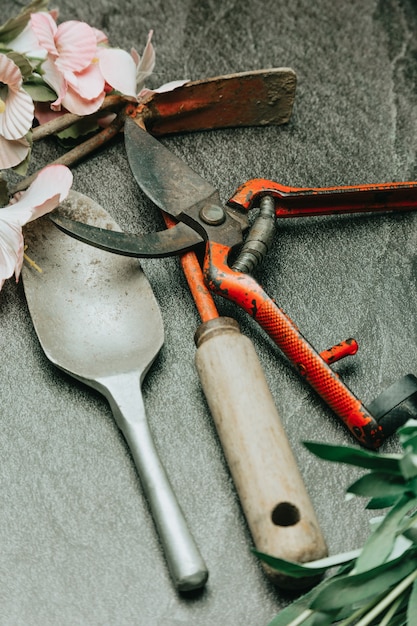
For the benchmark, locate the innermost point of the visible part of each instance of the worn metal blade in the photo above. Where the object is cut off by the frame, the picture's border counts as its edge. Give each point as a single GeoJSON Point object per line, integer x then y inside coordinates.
{"type": "Point", "coordinates": [164, 243]}
{"type": "Point", "coordinates": [254, 98]}
{"type": "Point", "coordinates": [167, 180]}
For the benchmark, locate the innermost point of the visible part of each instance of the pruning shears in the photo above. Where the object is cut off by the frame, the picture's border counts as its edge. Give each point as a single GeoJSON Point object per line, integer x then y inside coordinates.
{"type": "Point", "coordinates": [203, 222]}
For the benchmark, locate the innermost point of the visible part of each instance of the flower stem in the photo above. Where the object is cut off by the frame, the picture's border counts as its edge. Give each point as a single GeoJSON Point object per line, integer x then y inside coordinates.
{"type": "Point", "coordinates": [110, 103]}
{"type": "Point", "coordinates": [54, 126]}
{"type": "Point", "coordinates": [393, 595]}
{"type": "Point", "coordinates": [391, 612]}
{"type": "Point", "coordinates": [81, 151]}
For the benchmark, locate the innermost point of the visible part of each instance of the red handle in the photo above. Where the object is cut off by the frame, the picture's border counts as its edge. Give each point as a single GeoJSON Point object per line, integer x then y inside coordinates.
{"type": "Point", "coordinates": [303, 202]}
{"type": "Point", "coordinates": [244, 291]}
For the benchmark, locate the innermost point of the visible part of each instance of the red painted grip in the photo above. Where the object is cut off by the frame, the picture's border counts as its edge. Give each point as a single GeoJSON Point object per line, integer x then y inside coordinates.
{"type": "Point", "coordinates": [247, 293]}
{"type": "Point", "coordinates": [318, 374]}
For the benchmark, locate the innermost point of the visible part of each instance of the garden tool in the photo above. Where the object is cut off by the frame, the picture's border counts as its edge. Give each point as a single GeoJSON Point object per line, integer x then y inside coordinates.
{"type": "Point", "coordinates": [255, 98]}
{"type": "Point", "coordinates": [97, 319]}
{"type": "Point", "coordinates": [203, 223]}
{"type": "Point", "coordinates": [271, 490]}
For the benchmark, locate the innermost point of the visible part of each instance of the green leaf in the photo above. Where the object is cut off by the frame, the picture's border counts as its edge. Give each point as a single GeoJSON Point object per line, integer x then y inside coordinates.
{"type": "Point", "coordinates": [14, 26]}
{"type": "Point", "coordinates": [401, 545]}
{"type": "Point", "coordinates": [411, 442]}
{"type": "Point", "coordinates": [22, 62]}
{"type": "Point", "coordinates": [379, 545]}
{"type": "Point", "coordinates": [293, 611]}
{"type": "Point", "coordinates": [354, 589]}
{"type": "Point", "coordinates": [382, 503]}
{"type": "Point", "coordinates": [313, 568]}
{"type": "Point", "coordinates": [356, 456]}
{"type": "Point", "coordinates": [408, 430]}
{"type": "Point", "coordinates": [399, 619]}
{"type": "Point", "coordinates": [378, 485]}
{"type": "Point", "coordinates": [300, 607]}
{"type": "Point", "coordinates": [38, 90]}
{"type": "Point", "coordinates": [22, 167]}
{"type": "Point", "coordinates": [412, 486]}
{"type": "Point", "coordinates": [411, 534]}
{"type": "Point", "coordinates": [412, 604]}
{"type": "Point", "coordinates": [85, 126]}
{"type": "Point", "coordinates": [408, 464]}
{"type": "Point", "coordinates": [4, 192]}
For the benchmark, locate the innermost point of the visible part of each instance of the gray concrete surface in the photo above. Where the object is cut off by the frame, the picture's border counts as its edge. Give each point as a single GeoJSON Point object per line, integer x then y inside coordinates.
{"type": "Point", "coordinates": [77, 543]}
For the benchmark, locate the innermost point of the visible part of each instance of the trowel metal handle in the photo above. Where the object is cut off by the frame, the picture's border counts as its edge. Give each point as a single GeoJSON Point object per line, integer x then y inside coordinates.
{"type": "Point", "coordinates": [269, 484]}
{"type": "Point", "coordinates": [185, 563]}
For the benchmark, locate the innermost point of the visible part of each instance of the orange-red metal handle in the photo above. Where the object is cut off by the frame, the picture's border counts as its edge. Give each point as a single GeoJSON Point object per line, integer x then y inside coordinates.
{"type": "Point", "coordinates": [244, 291]}
{"type": "Point", "coordinates": [304, 202]}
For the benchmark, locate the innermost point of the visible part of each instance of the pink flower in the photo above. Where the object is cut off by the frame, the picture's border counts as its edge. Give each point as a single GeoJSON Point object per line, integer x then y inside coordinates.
{"type": "Point", "coordinates": [50, 187]}
{"type": "Point", "coordinates": [16, 114]}
{"type": "Point", "coordinates": [26, 42]}
{"type": "Point", "coordinates": [71, 67]}
{"type": "Point", "coordinates": [79, 65]}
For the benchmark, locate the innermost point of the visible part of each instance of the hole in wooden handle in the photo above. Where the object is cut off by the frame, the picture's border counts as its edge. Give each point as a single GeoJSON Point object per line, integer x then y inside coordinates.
{"type": "Point", "coordinates": [285, 514]}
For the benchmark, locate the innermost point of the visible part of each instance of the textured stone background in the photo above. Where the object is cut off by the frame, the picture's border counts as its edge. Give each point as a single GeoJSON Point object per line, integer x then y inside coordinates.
{"type": "Point", "coordinates": [77, 542]}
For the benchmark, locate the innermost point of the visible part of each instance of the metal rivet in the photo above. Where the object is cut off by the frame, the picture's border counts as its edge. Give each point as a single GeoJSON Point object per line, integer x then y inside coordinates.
{"type": "Point", "coordinates": [212, 214]}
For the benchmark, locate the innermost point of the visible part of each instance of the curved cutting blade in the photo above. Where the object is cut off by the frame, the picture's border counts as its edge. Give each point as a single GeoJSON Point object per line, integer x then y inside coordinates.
{"type": "Point", "coordinates": [164, 243]}
{"type": "Point", "coordinates": [169, 182]}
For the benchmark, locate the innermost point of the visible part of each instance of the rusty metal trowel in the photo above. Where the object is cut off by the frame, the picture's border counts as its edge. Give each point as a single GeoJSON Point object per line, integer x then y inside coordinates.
{"type": "Point", "coordinates": [97, 319]}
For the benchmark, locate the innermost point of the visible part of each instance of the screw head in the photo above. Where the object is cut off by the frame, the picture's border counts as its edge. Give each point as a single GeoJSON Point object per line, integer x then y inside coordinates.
{"type": "Point", "coordinates": [213, 214]}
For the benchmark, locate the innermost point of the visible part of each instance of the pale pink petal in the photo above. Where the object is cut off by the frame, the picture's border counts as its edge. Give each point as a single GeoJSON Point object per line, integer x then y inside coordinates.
{"type": "Point", "coordinates": [10, 73]}
{"type": "Point", "coordinates": [74, 103]}
{"type": "Point", "coordinates": [135, 56]}
{"type": "Point", "coordinates": [17, 118]}
{"type": "Point", "coordinates": [106, 120]}
{"type": "Point", "coordinates": [12, 152]}
{"type": "Point", "coordinates": [101, 38]}
{"type": "Point", "coordinates": [54, 78]}
{"type": "Point", "coordinates": [89, 84]}
{"type": "Point", "coordinates": [11, 250]}
{"type": "Point", "coordinates": [17, 107]}
{"type": "Point", "coordinates": [76, 43]}
{"type": "Point", "coordinates": [50, 187]}
{"type": "Point", "coordinates": [118, 69]}
{"type": "Point", "coordinates": [144, 65]}
{"type": "Point", "coordinates": [44, 28]}
{"type": "Point", "coordinates": [144, 93]}
{"type": "Point", "coordinates": [171, 85]}
{"type": "Point", "coordinates": [19, 260]}
{"type": "Point", "coordinates": [147, 62]}
{"type": "Point", "coordinates": [27, 43]}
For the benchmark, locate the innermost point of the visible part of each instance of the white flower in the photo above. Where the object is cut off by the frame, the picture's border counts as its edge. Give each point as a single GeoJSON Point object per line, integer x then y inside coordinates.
{"type": "Point", "coordinates": [16, 114]}
{"type": "Point", "coordinates": [50, 187]}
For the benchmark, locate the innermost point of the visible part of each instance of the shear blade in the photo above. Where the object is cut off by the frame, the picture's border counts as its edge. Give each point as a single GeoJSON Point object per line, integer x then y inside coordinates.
{"type": "Point", "coordinates": [167, 180]}
{"type": "Point", "coordinates": [164, 243]}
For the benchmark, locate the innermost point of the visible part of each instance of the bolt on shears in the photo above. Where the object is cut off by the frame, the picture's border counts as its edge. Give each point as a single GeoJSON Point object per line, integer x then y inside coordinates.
{"type": "Point", "coordinates": [203, 222]}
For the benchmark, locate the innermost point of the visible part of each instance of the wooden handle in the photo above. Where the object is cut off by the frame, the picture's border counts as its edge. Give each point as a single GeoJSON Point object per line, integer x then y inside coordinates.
{"type": "Point", "coordinates": [269, 484]}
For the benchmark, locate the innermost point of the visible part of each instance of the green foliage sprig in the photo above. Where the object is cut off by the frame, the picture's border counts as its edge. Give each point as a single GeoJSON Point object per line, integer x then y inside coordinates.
{"type": "Point", "coordinates": [376, 584]}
